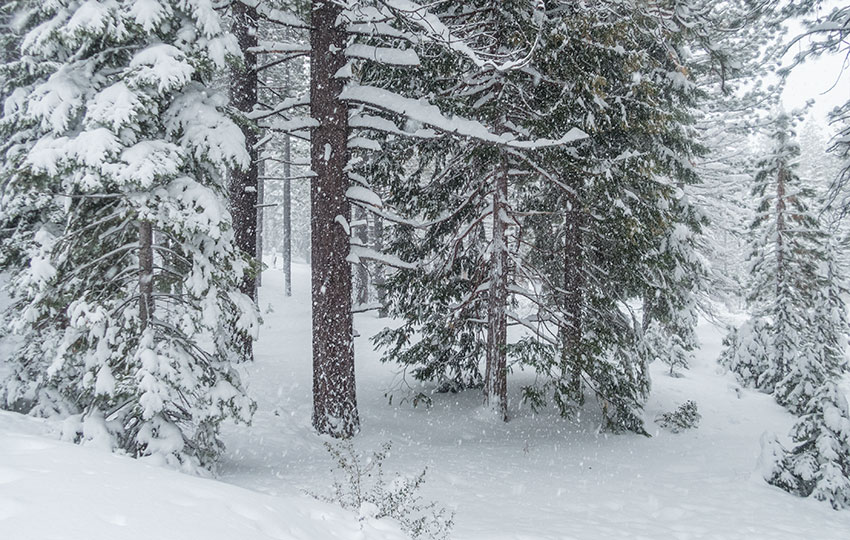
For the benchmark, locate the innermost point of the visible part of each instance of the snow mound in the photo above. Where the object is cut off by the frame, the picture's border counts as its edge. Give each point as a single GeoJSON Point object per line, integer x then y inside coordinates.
{"type": "Point", "coordinates": [57, 490]}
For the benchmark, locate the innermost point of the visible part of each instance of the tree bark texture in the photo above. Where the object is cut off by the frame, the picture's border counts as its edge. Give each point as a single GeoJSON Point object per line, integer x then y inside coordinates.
{"type": "Point", "coordinates": [334, 396]}
{"type": "Point", "coordinates": [781, 361]}
{"type": "Point", "coordinates": [261, 199]}
{"type": "Point", "coordinates": [287, 214]}
{"type": "Point", "coordinates": [573, 298]}
{"type": "Point", "coordinates": [243, 96]}
{"type": "Point", "coordinates": [146, 306]}
{"type": "Point", "coordinates": [380, 280]}
{"type": "Point", "coordinates": [495, 377]}
{"type": "Point", "coordinates": [362, 269]}
{"type": "Point", "coordinates": [243, 183]}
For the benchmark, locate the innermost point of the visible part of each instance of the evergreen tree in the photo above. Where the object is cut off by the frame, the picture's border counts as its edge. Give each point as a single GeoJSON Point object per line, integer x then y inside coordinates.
{"type": "Point", "coordinates": [126, 276]}
{"type": "Point", "coordinates": [628, 231]}
{"type": "Point", "coordinates": [794, 291]}
{"type": "Point", "coordinates": [470, 282]}
{"type": "Point", "coordinates": [808, 338]}
{"type": "Point", "coordinates": [588, 221]}
{"type": "Point", "coordinates": [826, 33]}
{"type": "Point", "coordinates": [281, 51]}
{"type": "Point", "coordinates": [819, 463]}
{"type": "Point", "coordinates": [745, 348]}
{"type": "Point", "coordinates": [345, 37]}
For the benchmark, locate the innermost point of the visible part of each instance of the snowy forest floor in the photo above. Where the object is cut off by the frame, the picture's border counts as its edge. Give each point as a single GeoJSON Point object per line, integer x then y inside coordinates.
{"type": "Point", "coordinates": [535, 477]}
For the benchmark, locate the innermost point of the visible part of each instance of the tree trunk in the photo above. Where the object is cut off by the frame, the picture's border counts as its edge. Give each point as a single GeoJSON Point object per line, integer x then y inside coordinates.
{"type": "Point", "coordinates": [243, 183]}
{"type": "Point", "coordinates": [572, 355]}
{"type": "Point", "coordinates": [495, 377]}
{"type": "Point", "coordinates": [334, 397]}
{"type": "Point", "coordinates": [378, 239]}
{"type": "Point", "coordinates": [362, 269]}
{"type": "Point", "coordinates": [781, 361]}
{"type": "Point", "coordinates": [287, 214]}
{"type": "Point", "coordinates": [261, 199]}
{"type": "Point", "coordinates": [146, 306]}
{"type": "Point", "coordinates": [287, 199]}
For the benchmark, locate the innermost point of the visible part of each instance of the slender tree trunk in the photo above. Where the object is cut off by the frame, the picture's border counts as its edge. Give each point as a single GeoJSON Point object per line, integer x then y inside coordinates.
{"type": "Point", "coordinates": [261, 199]}
{"type": "Point", "coordinates": [378, 239]}
{"type": "Point", "coordinates": [146, 306]}
{"type": "Point", "coordinates": [287, 214]}
{"type": "Point", "coordinates": [243, 184]}
{"type": "Point", "coordinates": [362, 269]}
{"type": "Point", "coordinates": [334, 396]}
{"type": "Point", "coordinates": [781, 361]}
{"type": "Point", "coordinates": [495, 377]}
{"type": "Point", "coordinates": [287, 199]}
{"type": "Point", "coordinates": [573, 357]}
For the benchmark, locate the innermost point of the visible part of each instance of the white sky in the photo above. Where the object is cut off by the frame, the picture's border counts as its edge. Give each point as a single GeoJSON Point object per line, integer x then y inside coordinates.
{"type": "Point", "coordinates": [821, 79]}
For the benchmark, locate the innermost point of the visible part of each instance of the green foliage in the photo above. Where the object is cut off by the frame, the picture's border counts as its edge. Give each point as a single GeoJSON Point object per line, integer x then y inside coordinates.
{"type": "Point", "coordinates": [797, 334]}
{"type": "Point", "coordinates": [684, 417]}
{"type": "Point", "coordinates": [110, 126]}
{"type": "Point", "coordinates": [745, 351]}
{"type": "Point", "coordinates": [819, 463]}
{"type": "Point", "coordinates": [594, 226]}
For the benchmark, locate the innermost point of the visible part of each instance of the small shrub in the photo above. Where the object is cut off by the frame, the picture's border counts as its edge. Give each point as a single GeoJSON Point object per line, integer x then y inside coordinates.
{"type": "Point", "coordinates": [360, 485]}
{"type": "Point", "coordinates": [684, 417]}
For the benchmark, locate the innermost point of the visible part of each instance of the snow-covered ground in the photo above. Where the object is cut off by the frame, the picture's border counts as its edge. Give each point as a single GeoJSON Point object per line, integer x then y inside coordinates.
{"type": "Point", "coordinates": [536, 477]}
{"type": "Point", "coordinates": [51, 490]}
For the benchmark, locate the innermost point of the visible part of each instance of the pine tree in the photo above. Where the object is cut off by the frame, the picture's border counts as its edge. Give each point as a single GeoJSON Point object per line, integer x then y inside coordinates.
{"type": "Point", "coordinates": [819, 463]}
{"type": "Point", "coordinates": [792, 276]}
{"type": "Point", "coordinates": [564, 257]}
{"type": "Point", "coordinates": [126, 275]}
{"type": "Point", "coordinates": [745, 348]}
{"type": "Point", "coordinates": [825, 33]}
{"type": "Point", "coordinates": [282, 52]}
{"type": "Point", "coordinates": [339, 44]}
{"type": "Point", "coordinates": [475, 245]}
{"type": "Point", "coordinates": [349, 39]}
{"type": "Point", "coordinates": [827, 328]}
{"type": "Point", "coordinates": [628, 231]}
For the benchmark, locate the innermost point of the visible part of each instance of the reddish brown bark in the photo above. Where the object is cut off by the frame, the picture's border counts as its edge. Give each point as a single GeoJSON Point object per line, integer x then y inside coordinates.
{"type": "Point", "coordinates": [334, 396]}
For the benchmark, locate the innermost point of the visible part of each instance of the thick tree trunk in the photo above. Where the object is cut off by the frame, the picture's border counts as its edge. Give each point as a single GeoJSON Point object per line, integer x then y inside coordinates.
{"type": "Point", "coordinates": [495, 377]}
{"type": "Point", "coordinates": [287, 214]}
{"type": "Point", "coordinates": [243, 184]}
{"type": "Point", "coordinates": [146, 306]}
{"type": "Point", "coordinates": [573, 358]}
{"type": "Point", "coordinates": [334, 396]}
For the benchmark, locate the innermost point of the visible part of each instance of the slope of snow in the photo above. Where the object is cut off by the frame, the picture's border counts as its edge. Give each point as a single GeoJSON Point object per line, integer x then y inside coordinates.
{"type": "Point", "coordinates": [52, 490]}
{"type": "Point", "coordinates": [536, 477]}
